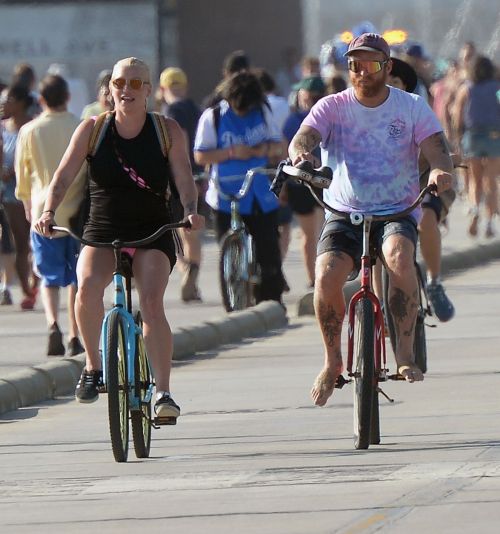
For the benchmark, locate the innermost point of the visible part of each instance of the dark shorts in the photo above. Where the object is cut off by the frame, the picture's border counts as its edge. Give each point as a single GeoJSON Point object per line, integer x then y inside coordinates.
{"type": "Point", "coordinates": [169, 243]}
{"type": "Point", "coordinates": [339, 235]}
{"type": "Point", "coordinates": [441, 204]}
{"type": "Point", "coordinates": [300, 199]}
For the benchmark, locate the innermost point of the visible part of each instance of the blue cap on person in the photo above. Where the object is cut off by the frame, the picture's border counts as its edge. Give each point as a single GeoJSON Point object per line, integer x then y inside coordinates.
{"type": "Point", "coordinates": [371, 42]}
{"type": "Point", "coordinates": [416, 50]}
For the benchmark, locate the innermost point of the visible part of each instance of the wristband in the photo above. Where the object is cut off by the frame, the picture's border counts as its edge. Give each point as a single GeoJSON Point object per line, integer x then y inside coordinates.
{"type": "Point", "coordinates": [49, 211]}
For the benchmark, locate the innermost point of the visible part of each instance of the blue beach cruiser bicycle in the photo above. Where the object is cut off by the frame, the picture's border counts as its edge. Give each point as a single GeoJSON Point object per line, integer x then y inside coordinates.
{"type": "Point", "coordinates": [127, 375]}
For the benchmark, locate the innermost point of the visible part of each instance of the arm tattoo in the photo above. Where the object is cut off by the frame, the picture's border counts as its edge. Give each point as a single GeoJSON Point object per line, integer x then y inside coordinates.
{"type": "Point", "coordinates": [190, 207]}
{"type": "Point", "coordinates": [58, 192]}
{"type": "Point", "coordinates": [439, 142]}
{"type": "Point", "coordinates": [330, 322]}
{"type": "Point", "coordinates": [304, 142]}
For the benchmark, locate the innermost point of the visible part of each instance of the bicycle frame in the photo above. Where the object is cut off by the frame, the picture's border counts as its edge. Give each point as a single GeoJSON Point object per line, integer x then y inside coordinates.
{"type": "Point", "coordinates": [122, 304]}
{"type": "Point", "coordinates": [238, 232]}
{"type": "Point", "coordinates": [366, 291]}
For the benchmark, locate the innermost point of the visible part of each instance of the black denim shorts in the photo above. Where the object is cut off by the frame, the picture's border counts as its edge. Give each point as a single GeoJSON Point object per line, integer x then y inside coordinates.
{"type": "Point", "coordinates": [340, 235]}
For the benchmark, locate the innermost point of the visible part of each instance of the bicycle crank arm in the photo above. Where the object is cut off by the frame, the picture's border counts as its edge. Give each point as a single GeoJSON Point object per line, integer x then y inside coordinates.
{"type": "Point", "coordinates": [341, 382]}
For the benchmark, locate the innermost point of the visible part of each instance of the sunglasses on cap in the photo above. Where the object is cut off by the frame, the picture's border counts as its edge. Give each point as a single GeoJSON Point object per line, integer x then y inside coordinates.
{"type": "Point", "coordinates": [370, 67]}
{"type": "Point", "coordinates": [133, 83]}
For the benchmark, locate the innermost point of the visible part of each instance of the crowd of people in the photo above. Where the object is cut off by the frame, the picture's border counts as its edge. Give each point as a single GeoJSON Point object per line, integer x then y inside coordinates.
{"type": "Point", "coordinates": [245, 122]}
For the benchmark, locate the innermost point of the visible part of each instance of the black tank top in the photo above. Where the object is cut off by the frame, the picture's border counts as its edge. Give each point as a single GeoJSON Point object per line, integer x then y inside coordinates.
{"type": "Point", "coordinates": [119, 208]}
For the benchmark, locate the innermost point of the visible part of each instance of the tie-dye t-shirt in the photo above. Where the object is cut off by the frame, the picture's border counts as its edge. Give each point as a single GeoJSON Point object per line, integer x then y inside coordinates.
{"type": "Point", "coordinates": [373, 151]}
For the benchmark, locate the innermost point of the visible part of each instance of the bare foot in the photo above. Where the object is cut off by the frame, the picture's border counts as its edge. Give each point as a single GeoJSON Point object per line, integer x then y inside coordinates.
{"type": "Point", "coordinates": [324, 385]}
{"type": "Point", "coordinates": [411, 372]}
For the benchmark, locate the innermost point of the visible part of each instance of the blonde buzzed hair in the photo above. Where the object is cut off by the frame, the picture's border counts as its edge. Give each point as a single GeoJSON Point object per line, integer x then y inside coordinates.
{"type": "Point", "coordinates": [133, 62]}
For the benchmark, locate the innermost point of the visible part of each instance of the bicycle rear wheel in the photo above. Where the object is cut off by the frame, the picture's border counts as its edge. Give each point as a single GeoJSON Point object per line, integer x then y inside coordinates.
{"type": "Point", "coordinates": [364, 376]}
{"type": "Point", "coordinates": [117, 384]}
{"type": "Point", "coordinates": [420, 343]}
{"type": "Point", "coordinates": [141, 418]}
{"type": "Point", "coordinates": [233, 273]}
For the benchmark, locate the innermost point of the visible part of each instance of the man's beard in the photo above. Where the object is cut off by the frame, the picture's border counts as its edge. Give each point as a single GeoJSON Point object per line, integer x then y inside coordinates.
{"type": "Point", "coordinates": [370, 89]}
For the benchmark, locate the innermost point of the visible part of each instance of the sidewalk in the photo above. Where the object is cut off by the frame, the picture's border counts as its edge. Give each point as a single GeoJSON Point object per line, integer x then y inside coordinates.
{"type": "Point", "coordinates": [28, 377]}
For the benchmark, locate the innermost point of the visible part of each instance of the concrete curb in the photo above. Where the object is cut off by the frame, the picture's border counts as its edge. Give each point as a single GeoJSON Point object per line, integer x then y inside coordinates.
{"type": "Point", "coordinates": [48, 380]}
{"type": "Point", "coordinates": [457, 260]}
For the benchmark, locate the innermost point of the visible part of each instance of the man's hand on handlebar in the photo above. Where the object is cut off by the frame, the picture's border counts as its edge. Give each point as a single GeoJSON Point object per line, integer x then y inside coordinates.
{"type": "Point", "coordinates": [442, 179]}
{"type": "Point", "coordinates": [306, 156]}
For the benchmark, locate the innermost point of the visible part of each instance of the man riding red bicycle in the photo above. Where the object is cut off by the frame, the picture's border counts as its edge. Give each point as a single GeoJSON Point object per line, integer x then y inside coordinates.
{"type": "Point", "coordinates": [370, 136]}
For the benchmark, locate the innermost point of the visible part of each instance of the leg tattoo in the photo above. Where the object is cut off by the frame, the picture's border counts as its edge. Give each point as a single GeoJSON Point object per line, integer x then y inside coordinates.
{"type": "Point", "coordinates": [331, 323]}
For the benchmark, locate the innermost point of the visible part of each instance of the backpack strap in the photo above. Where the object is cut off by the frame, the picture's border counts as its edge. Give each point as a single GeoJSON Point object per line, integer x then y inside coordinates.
{"type": "Point", "coordinates": [161, 128]}
{"type": "Point", "coordinates": [101, 124]}
{"type": "Point", "coordinates": [216, 113]}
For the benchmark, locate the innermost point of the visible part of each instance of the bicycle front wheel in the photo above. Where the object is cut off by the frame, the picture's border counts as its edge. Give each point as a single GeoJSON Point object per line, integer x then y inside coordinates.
{"type": "Point", "coordinates": [364, 376]}
{"type": "Point", "coordinates": [141, 419]}
{"type": "Point", "coordinates": [233, 273]}
{"type": "Point", "coordinates": [117, 383]}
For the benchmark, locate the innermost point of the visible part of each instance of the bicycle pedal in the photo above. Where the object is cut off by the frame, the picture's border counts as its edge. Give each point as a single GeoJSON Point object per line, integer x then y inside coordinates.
{"type": "Point", "coordinates": [396, 376]}
{"type": "Point", "coordinates": [341, 382]}
{"type": "Point", "coordinates": [162, 421]}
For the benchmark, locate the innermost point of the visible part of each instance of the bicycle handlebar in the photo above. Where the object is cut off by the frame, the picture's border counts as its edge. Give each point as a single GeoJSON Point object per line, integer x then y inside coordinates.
{"type": "Point", "coordinates": [357, 218]}
{"type": "Point", "coordinates": [117, 243]}
{"type": "Point", "coordinates": [305, 173]}
{"type": "Point", "coordinates": [245, 186]}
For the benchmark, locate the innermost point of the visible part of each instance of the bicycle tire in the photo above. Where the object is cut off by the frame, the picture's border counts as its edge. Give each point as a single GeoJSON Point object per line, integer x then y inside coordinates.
{"type": "Point", "coordinates": [234, 281]}
{"type": "Point", "coordinates": [141, 419]}
{"type": "Point", "coordinates": [254, 273]}
{"type": "Point", "coordinates": [419, 342]}
{"type": "Point", "coordinates": [117, 385]}
{"type": "Point", "coordinates": [375, 420]}
{"type": "Point", "coordinates": [364, 376]}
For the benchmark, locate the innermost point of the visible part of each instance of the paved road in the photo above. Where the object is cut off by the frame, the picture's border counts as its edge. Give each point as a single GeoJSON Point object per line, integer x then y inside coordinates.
{"type": "Point", "coordinates": [251, 454]}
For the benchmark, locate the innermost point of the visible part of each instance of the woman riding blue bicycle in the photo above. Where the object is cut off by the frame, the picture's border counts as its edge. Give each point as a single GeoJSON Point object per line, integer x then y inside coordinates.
{"type": "Point", "coordinates": [236, 135]}
{"type": "Point", "coordinates": [128, 182]}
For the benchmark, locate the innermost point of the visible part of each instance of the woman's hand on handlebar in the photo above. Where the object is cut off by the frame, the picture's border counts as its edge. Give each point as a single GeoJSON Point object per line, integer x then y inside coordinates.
{"type": "Point", "coordinates": [196, 222]}
{"type": "Point", "coordinates": [44, 224]}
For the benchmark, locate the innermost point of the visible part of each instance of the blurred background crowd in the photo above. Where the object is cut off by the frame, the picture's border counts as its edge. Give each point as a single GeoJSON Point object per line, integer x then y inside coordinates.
{"type": "Point", "coordinates": [294, 48]}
